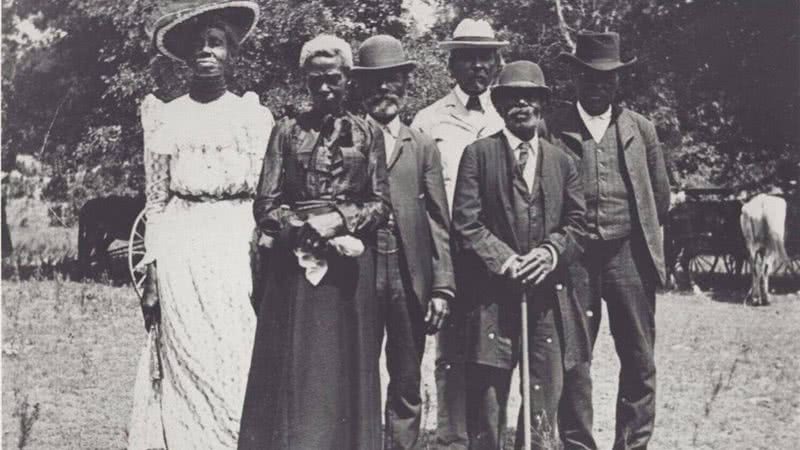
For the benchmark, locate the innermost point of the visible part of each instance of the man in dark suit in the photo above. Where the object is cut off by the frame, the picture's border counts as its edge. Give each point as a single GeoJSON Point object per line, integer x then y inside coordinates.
{"type": "Point", "coordinates": [627, 198]}
{"type": "Point", "coordinates": [518, 217]}
{"type": "Point", "coordinates": [415, 272]}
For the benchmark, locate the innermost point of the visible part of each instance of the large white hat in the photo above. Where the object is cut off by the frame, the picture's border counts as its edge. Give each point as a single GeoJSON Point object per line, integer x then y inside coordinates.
{"type": "Point", "coordinates": [175, 15]}
{"type": "Point", "coordinates": [473, 34]}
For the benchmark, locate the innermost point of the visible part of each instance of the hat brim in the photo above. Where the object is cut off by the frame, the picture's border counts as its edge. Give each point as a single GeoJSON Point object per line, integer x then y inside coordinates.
{"type": "Point", "coordinates": [241, 15]}
{"type": "Point", "coordinates": [604, 66]}
{"type": "Point", "coordinates": [405, 65]}
{"type": "Point", "coordinates": [450, 45]}
{"type": "Point", "coordinates": [519, 86]}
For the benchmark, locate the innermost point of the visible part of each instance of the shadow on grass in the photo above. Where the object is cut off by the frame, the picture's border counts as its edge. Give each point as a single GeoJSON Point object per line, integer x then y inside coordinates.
{"type": "Point", "coordinates": [726, 288]}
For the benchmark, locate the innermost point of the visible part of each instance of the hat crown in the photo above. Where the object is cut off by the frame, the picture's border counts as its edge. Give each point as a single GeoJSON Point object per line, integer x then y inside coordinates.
{"type": "Point", "coordinates": [591, 46]}
{"type": "Point", "coordinates": [163, 10]}
{"type": "Point", "coordinates": [380, 51]}
{"type": "Point", "coordinates": [175, 18]}
{"type": "Point", "coordinates": [470, 29]}
{"type": "Point", "coordinates": [520, 73]}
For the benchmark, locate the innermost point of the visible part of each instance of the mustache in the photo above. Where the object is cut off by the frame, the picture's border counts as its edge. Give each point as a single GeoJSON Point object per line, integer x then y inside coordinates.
{"type": "Point", "coordinates": [381, 97]}
{"type": "Point", "coordinates": [536, 112]}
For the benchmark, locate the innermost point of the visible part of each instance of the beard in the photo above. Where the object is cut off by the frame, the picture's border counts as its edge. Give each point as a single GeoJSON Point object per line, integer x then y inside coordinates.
{"type": "Point", "coordinates": [383, 107]}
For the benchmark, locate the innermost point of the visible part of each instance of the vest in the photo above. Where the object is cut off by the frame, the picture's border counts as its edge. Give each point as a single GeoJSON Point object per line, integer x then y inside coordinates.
{"type": "Point", "coordinates": [608, 197]}
{"type": "Point", "coordinates": [529, 223]}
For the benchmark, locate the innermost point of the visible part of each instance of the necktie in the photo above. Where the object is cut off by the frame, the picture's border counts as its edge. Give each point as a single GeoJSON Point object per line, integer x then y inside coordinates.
{"type": "Point", "coordinates": [522, 157]}
{"type": "Point", "coordinates": [474, 104]}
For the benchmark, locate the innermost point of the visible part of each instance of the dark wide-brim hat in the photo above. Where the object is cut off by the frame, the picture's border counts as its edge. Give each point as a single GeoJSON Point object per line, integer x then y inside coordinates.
{"type": "Point", "coordinates": [177, 18]}
{"type": "Point", "coordinates": [520, 76]}
{"type": "Point", "coordinates": [598, 51]}
{"type": "Point", "coordinates": [382, 52]}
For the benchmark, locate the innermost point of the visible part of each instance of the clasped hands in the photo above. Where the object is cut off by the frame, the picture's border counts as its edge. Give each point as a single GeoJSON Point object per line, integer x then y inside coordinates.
{"type": "Point", "coordinates": [313, 233]}
{"type": "Point", "coordinates": [532, 267]}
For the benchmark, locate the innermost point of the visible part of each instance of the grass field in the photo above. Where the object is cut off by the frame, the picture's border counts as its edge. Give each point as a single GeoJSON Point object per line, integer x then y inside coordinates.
{"type": "Point", "coordinates": [729, 376]}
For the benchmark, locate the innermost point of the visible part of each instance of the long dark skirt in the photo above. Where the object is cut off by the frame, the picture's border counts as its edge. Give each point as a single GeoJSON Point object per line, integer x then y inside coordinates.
{"type": "Point", "coordinates": [314, 380]}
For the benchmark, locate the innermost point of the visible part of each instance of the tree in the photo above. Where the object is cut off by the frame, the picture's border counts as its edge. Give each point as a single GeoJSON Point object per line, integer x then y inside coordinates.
{"type": "Point", "coordinates": [721, 78]}
{"type": "Point", "coordinates": [82, 93]}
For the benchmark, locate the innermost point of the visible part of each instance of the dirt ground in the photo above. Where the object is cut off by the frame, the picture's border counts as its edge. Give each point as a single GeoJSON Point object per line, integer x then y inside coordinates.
{"type": "Point", "coordinates": [729, 375]}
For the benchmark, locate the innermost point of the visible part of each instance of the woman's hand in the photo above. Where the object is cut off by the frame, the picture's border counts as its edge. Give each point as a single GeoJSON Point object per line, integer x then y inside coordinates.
{"type": "Point", "coordinates": [151, 307]}
{"type": "Point", "coordinates": [326, 225]}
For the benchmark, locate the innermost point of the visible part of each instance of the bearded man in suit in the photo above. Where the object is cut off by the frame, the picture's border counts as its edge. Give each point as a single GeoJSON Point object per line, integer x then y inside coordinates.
{"type": "Point", "coordinates": [415, 272]}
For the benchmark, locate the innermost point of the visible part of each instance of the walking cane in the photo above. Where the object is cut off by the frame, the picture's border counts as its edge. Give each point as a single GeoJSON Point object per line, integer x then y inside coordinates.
{"type": "Point", "coordinates": [526, 376]}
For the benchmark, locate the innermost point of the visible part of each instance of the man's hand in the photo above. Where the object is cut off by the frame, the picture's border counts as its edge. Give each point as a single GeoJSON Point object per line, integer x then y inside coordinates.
{"type": "Point", "coordinates": [438, 310]}
{"type": "Point", "coordinates": [534, 266]}
{"type": "Point", "coordinates": [151, 307]}
{"type": "Point", "coordinates": [511, 266]}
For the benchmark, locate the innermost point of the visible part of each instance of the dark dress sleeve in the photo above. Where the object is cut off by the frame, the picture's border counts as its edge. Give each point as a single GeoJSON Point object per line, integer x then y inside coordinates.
{"type": "Point", "coordinates": [270, 207]}
{"type": "Point", "coordinates": [375, 208]}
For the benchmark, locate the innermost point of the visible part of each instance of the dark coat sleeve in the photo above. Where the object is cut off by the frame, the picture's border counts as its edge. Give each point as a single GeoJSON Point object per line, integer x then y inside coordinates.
{"type": "Point", "coordinates": [438, 218]}
{"type": "Point", "coordinates": [568, 237]}
{"type": "Point", "coordinates": [659, 178]}
{"type": "Point", "coordinates": [468, 225]}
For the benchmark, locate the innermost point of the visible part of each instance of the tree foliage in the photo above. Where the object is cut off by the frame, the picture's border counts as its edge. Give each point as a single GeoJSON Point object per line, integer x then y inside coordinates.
{"type": "Point", "coordinates": [719, 77]}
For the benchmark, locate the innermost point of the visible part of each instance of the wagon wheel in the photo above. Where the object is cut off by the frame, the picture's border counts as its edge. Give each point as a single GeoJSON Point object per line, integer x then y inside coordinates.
{"type": "Point", "coordinates": [136, 253]}
{"type": "Point", "coordinates": [733, 264]}
{"type": "Point", "coordinates": [793, 267]}
{"type": "Point", "coordinates": [701, 264]}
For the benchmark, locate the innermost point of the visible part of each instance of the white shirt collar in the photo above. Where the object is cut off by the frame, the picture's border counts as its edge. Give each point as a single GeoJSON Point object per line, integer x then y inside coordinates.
{"type": "Point", "coordinates": [597, 125]}
{"type": "Point", "coordinates": [393, 127]}
{"type": "Point", "coordinates": [463, 97]}
{"type": "Point", "coordinates": [514, 141]}
{"type": "Point", "coordinates": [586, 117]}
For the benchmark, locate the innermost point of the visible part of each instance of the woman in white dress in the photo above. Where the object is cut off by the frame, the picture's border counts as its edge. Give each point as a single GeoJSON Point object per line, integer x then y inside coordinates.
{"type": "Point", "coordinates": [203, 154]}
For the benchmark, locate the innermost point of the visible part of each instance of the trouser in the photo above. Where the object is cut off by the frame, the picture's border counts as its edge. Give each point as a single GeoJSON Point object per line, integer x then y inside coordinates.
{"type": "Point", "coordinates": [488, 390]}
{"type": "Point", "coordinates": [451, 429]}
{"type": "Point", "coordinates": [404, 323]}
{"type": "Point", "coordinates": [620, 272]}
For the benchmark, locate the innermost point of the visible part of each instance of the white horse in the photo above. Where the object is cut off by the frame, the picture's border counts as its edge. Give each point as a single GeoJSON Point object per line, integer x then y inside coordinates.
{"type": "Point", "coordinates": [763, 223]}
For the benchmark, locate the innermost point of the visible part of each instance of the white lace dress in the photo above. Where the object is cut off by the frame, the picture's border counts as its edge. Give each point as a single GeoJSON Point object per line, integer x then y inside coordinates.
{"type": "Point", "coordinates": [202, 163]}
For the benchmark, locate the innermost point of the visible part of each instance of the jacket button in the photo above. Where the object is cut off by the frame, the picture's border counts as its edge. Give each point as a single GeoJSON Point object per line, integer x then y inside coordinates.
{"type": "Point", "coordinates": [549, 340]}
{"type": "Point", "coordinates": [536, 387]}
{"type": "Point", "coordinates": [491, 335]}
{"type": "Point", "coordinates": [559, 286]}
{"type": "Point", "coordinates": [589, 314]}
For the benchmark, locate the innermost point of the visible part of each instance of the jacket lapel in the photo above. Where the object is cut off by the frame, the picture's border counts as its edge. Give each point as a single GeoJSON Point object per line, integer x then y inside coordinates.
{"type": "Point", "coordinates": [404, 136]}
{"type": "Point", "coordinates": [572, 131]}
{"type": "Point", "coordinates": [626, 128]}
{"type": "Point", "coordinates": [632, 152]}
{"type": "Point", "coordinates": [550, 182]}
{"type": "Point", "coordinates": [503, 158]}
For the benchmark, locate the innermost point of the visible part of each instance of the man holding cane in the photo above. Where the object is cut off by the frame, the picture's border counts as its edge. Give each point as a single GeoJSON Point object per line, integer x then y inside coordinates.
{"type": "Point", "coordinates": [518, 215]}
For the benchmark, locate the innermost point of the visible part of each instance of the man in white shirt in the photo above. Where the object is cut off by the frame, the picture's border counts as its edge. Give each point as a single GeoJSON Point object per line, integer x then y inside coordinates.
{"type": "Point", "coordinates": [518, 218]}
{"type": "Point", "coordinates": [414, 272]}
{"type": "Point", "coordinates": [627, 197]}
{"type": "Point", "coordinates": [456, 120]}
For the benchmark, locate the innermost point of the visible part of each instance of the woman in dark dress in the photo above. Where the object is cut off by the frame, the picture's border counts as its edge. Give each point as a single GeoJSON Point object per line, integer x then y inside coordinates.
{"type": "Point", "coordinates": [314, 380]}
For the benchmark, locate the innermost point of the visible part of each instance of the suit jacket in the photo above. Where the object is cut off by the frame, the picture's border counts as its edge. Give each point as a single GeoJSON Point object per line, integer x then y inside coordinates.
{"type": "Point", "coordinates": [483, 224]}
{"type": "Point", "coordinates": [420, 209]}
{"type": "Point", "coordinates": [645, 168]}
